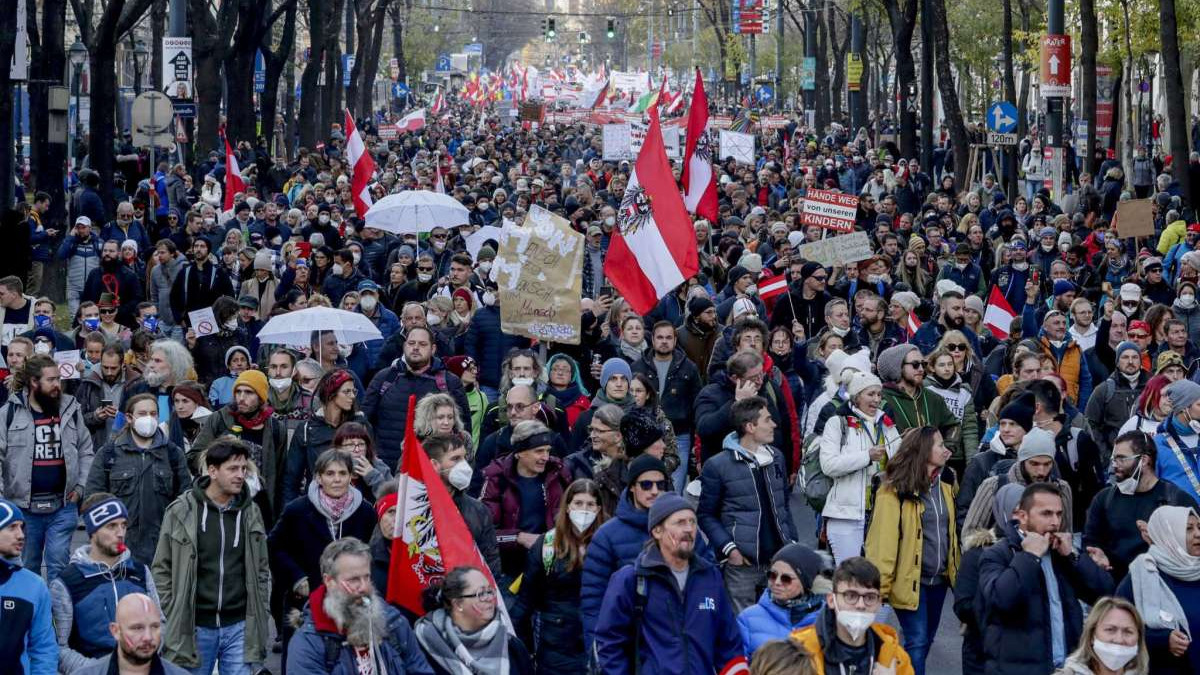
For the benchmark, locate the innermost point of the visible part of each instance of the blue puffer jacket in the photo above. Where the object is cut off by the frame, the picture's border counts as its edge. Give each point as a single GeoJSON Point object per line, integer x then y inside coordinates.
{"type": "Point", "coordinates": [730, 512]}
{"type": "Point", "coordinates": [386, 401]}
{"type": "Point", "coordinates": [399, 651]}
{"type": "Point", "coordinates": [766, 620]}
{"type": "Point", "coordinates": [488, 345]}
{"type": "Point", "coordinates": [616, 544]}
{"type": "Point", "coordinates": [688, 631]}
{"type": "Point", "coordinates": [27, 643]}
{"type": "Point", "coordinates": [388, 324]}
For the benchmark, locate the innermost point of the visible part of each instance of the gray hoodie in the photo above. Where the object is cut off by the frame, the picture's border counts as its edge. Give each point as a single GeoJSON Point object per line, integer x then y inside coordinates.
{"type": "Point", "coordinates": [335, 524]}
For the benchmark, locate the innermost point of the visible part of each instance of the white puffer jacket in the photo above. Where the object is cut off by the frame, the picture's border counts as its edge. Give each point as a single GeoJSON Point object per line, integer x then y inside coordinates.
{"type": "Point", "coordinates": [847, 460]}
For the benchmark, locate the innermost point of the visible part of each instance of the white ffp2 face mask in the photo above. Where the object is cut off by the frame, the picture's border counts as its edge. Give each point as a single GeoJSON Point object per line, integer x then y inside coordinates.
{"type": "Point", "coordinates": [1113, 656]}
{"type": "Point", "coordinates": [145, 427]}
{"type": "Point", "coordinates": [856, 623]}
{"type": "Point", "coordinates": [581, 519]}
{"type": "Point", "coordinates": [460, 476]}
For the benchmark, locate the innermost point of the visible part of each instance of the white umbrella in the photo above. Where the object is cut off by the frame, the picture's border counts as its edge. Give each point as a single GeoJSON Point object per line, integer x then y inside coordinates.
{"type": "Point", "coordinates": [295, 328]}
{"type": "Point", "coordinates": [416, 211]}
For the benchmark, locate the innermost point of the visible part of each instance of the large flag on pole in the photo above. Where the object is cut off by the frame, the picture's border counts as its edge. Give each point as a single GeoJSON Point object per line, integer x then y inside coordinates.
{"type": "Point", "coordinates": [699, 179]}
{"type": "Point", "coordinates": [654, 247]}
{"type": "Point", "coordinates": [362, 168]}
{"type": "Point", "coordinates": [412, 121]}
{"type": "Point", "coordinates": [431, 536]}
{"type": "Point", "coordinates": [234, 182]}
{"type": "Point", "coordinates": [999, 314]}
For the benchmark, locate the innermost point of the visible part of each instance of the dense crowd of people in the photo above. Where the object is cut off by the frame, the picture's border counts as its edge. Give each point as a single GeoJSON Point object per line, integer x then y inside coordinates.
{"type": "Point", "coordinates": [638, 500]}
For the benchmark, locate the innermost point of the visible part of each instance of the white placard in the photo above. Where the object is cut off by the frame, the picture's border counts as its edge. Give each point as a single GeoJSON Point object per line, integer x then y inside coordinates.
{"type": "Point", "coordinates": [203, 321]}
{"type": "Point", "coordinates": [737, 145]}
{"type": "Point", "coordinates": [618, 142]}
{"type": "Point", "coordinates": [177, 67]}
{"type": "Point", "coordinates": [68, 364]}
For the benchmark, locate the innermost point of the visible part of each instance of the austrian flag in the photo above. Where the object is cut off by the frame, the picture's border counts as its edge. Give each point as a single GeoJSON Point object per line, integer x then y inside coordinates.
{"type": "Point", "coordinates": [362, 168]}
{"type": "Point", "coordinates": [769, 288]}
{"type": "Point", "coordinates": [999, 314]}
{"type": "Point", "coordinates": [653, 249]}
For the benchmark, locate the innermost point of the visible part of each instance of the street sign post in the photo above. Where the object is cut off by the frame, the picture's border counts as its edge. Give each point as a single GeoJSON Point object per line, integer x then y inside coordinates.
{"type": "Point", "coordinates": [152, 117]}
{"type": "Point", "coordinates": [1002, 124]}
{"type": "Point", "coordinates": [1056, 66]}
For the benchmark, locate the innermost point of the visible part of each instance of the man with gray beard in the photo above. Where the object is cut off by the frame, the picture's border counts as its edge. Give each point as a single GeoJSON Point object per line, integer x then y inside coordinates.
{"type": "Point", "coordinates": [347, 628]}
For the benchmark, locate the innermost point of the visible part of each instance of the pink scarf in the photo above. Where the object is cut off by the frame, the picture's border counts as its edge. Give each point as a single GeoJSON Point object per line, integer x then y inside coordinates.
{"type": "Point", "coordinates": [335, 507]}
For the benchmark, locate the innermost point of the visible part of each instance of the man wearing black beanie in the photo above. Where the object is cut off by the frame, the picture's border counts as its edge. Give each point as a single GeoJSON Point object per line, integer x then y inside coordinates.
{"type": "Point", "coordinates": [806, 300]}
{"type": "Point", "coordinates": [1016, 420]}
{"type": "Point", "coordinates": [699, 333]}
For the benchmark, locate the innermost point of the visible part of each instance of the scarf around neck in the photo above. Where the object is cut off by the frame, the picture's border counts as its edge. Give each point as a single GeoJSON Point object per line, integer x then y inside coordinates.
{"type": "Point", "coordinates": [1168, 557]}
{"type": "Point", "coordinates": [254, 421]}
{"type": "Point", "coordinates": [458, 653]}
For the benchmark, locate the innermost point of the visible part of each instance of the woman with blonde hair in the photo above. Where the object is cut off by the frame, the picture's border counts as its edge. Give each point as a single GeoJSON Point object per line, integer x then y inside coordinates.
{"type": "Point", "coordinates": [438, 414]}
{"type": "Point", "coordinates": [1113, 642]}
{"type": "Point", "coordinates": [943, 379]}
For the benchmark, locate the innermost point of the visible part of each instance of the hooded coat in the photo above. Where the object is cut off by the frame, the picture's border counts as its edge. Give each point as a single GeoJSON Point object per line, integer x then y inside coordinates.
{"type": "Point", "coordinates": [305, 528]}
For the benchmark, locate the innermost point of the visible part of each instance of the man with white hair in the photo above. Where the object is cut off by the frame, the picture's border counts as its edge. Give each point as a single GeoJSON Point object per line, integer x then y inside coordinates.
{"type": "Point", "coordinates": [168, 365]}
{"type": "Point", "coordinates": [347, 627]}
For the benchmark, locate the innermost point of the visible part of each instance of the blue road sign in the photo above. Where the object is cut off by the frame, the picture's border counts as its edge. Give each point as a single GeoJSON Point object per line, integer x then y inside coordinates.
{"type": "Point", "coordinates": [1002, 117]}
{"type": "Point", "coordinates": [185, 110]}
{"type": "Point", "coordinates": [260, 72]}
{"type": "Point", "coordinates": [400, 88]}
{"type": "Point", "coordinates": [443, 63]}
{"type": "Point", "coordinates": [764, 93]}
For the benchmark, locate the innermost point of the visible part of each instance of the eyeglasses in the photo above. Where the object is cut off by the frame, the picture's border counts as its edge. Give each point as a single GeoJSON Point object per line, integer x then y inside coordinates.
{"type": "Point", "coordinates": [517, 407]}
{"type": "Point", "coordinates": [821, 278]}
{"type": "Point", "coordinates": [424, 269]}
{"type": "Point", "coordinates": [954, 347]}
{"type": "Point", "coordinates": [599, 430]}
{"type": "Point", "coordinates": [782, 577]}
{"type": "Point", "coordinates": [441, 237]}
{"type": "Point", "coordinates": [1139, 336]}
{"type": "Point", "coordinates": [360, 444]}
{"type": "Point", "coordinates": [486, 594]}
{"type": "Point", "coordinates": [1118, 459]}
{"type": "Point", "coordinates": [647, 485]}
{"type": "Point", "coordinates": [852, 597]}
{"type": "Point", "coordinates": [107, 311]}
{"type": "Point", "coordinates": [916, 365]}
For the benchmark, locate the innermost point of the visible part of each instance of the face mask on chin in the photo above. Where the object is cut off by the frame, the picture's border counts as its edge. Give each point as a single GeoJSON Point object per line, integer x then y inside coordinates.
{"type": "Point", "coordinates": [1129, 485]}
{"type": "Point", "coordinates": [856, 623]}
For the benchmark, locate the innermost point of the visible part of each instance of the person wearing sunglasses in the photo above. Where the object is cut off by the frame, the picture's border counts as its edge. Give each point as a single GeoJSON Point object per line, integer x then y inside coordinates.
{"type": "Point", "coordinates": [797, 582]}
{"type": "Point", "coordinates": [902, 370]}
{"type": "Point", "coordinates": [952, 305]}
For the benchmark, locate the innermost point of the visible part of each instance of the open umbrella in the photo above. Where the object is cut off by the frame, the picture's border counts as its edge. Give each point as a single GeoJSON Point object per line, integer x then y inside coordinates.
{"type": "Point", "coordinates": [295, 328]}
{"type": "Point", "coordinates": [416, 211]}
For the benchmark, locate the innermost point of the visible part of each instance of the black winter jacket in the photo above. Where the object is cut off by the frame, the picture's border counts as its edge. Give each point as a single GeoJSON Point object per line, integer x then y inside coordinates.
{"type": "Point", "coordinates": [682, 387]}
{"type": "Point", "coordinates": [386, 402]}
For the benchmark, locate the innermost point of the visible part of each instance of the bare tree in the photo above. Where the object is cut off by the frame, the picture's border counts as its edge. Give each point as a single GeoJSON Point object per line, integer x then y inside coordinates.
{"type": "Point", "coordinates": [8, 41]}
{"type": "Point", "coordinates": [954, 118]}
{"type": "Point", "coordinates": [368, 14]}
{"type": "Point", "coordinates": [902, 17]}
{"type": "Point", "coordinates": [47, 63]}
{"type": "Point", "coordinates": [1168, 31]}
{"type": "Point", "coordinates": [212, 31]}
{"type": "Point", "coordinates": [319, 20]}
{"type": "Point", "coordinates": [277, 59]}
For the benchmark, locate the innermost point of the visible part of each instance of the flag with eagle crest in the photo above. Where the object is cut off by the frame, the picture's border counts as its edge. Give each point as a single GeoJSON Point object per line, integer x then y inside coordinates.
{"type": "Point", "coordinates": [653, 248]}
{"type": "Point", "coordinates": [699, 179]}
{"type": "Point", "coordinates": [431, 537]}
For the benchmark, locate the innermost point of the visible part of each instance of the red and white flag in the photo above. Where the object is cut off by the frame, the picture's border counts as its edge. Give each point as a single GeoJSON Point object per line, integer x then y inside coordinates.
{"type": "Point", "coordinates": [913, 324]}
{"type": "Point", "coordinates": [234, 182]}
{"type": "Point", "coordinates": [999, 314]}
{"type": "Point", "coordinates": [412, 121]}
{"type": "Point", "coordinates": [699, 179]}
{"type": "Point", "coordinates": [431, 536]}
{"type": "Point", "coordinates": [362, 168]}
{"type": "Point", "coordinates": [653, 249]}
{"type": "Point", "coordinates": [438, 185]}
{"type": "Point", "coordinates": [772, 286]}
{"type": "Point", "coordinates": [439, 104]}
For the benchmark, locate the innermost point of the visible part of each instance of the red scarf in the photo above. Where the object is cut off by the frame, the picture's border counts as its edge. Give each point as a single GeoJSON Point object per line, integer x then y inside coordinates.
{"type": "Point", "coordinates": [258, 420]}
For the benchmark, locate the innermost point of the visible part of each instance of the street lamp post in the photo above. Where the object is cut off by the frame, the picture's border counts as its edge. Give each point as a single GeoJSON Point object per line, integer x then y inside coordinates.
{"type": "Point", "coordinates": [141, 56]}
{"type": "Point", "coordinates": [77, 55]}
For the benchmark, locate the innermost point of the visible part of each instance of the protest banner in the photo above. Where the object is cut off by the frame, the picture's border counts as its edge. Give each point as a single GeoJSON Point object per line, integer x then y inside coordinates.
{"type": "Point", "coordinates": [539, 270]}
{"type": "Point", "coordinates": [737, 145]}
{"type": "Point", "coordinates": [840, 250]}
{"type": "Point", "coordinates": [617, 142]}
{"type": "Point", "coordinates": [830, 210]}
{"type": "Point", "coordinates": [203, 321]}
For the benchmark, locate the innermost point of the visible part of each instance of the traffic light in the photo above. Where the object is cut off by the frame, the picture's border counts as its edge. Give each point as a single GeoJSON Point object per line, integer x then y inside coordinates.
{"type": "Point", "coordinates": [612, 29]}
{"type": "Point", "coordinates": [550, 32]}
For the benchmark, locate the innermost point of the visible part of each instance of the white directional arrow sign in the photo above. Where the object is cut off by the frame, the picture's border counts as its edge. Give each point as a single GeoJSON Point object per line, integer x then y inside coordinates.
{"type": "Point", "coordinates": [1054, 64]}
{"type": "Point", "coordinates": [1002, 120]}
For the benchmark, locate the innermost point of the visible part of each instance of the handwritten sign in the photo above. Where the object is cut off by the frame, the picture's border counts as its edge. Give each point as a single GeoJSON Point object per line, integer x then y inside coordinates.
{"type": "Point", "coordinates": [68, 364]}
{"type": "Point", "coordinates": [539, 270]}
{"type": "Point", "coordinates": [838, 251]}
{"type": "Point", "coordinates": [737, 145]}
{"type": "Point", "coordinates": [203, 321]}
{"type": "Point", "coordinates": [830, 210]}
{"type": "Point", "coordinates": [1135, 218]}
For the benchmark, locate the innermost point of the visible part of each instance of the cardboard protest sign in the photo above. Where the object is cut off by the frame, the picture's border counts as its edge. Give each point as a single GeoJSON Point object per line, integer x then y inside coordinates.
{"type": "Point", "coordinates": [539, 270]}
{"type": "Point", "coordinates": [617, 142]}
{"type": "Point", "coordinates": [840, 251]}
{"type": "Point", "coordinates": [1135, 218]}
{"type": "Point", "coordinates": [830, 210]}
{"type": "Point", "coordinates": [68, 364]}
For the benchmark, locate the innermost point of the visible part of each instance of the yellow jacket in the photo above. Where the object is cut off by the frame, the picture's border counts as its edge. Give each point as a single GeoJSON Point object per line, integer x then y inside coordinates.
{"type": "Point", "coordinates": [889, 651]}
{"type": "Point", "coordinates": [899, 557]}
{"type": "Point", "coordinates": [1172, 234]}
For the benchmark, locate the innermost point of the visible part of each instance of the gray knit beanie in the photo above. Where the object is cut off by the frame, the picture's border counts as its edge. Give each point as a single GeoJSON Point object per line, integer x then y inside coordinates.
{"type": "Point", "coordinates": [891, 362]}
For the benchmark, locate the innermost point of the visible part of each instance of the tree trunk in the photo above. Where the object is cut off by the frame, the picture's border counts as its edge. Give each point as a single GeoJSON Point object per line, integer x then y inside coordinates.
{"type": "Point", "coordinates": [366, 102]}
{"type": "Point", "coordinates": [8, 40]}
{"type": "Point", "coordinates": [1131, 127]}
{"type": "Point", "coordinates": [1168, 31]}
{"type": "Point", "coordinates": [1089, 44]}
{"type": "Point", "coordinates": [278, 60]}
{"type": "Point", "coordinates": [1022, 102]}
{"type": "Point", "coordinates": [953, 116]}
{"type": "Point", "coordinates": [240, 111]}
{"type": "Point", "coordinates": [841, 47]}
{"type": "Point", "coordinates": [821, 118]}
{"type": "Point", "coordinates": [310, 92]}
{"type": "Point", "coordinates": [48, 62]}
{"type": "Point", "coordinates": [210, 43]}
{"type": "Point", "coordinates": [902, 16]}
{"type": "Point", "coordinates": [158, 25]}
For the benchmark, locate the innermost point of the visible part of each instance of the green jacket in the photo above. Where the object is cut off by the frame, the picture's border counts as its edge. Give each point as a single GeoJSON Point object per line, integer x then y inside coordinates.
{"type": "Point", "coordinates": [926, 409]}
{"type": "Point", "coordinates": [174, 573]}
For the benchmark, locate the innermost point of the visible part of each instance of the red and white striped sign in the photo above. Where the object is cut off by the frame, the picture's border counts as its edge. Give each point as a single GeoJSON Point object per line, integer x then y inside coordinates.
{"type": "Point", "coordinates": [830, 210]}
